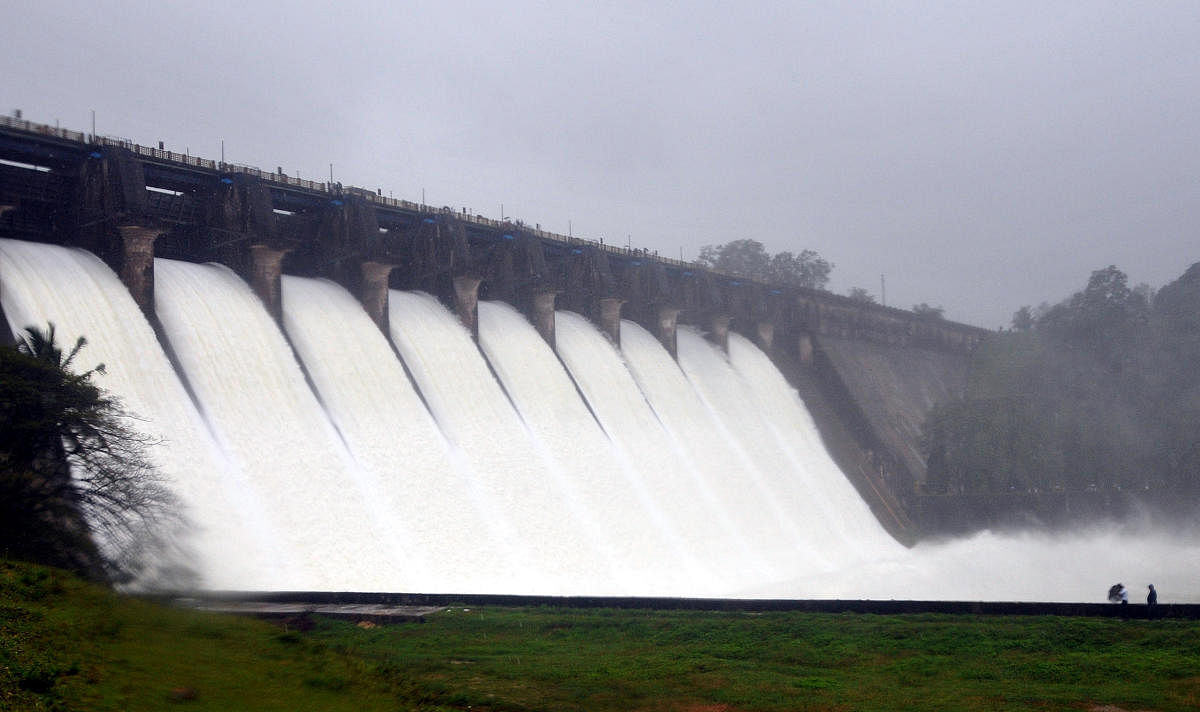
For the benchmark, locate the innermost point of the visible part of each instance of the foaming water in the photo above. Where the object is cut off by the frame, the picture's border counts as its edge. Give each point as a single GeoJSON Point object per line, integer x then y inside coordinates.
{"type": "Point", "coordinates": [80, 295]}
{"type": "Point", "coordinates": [664, 476]}
{"type": "Point", "coordinates": [610, 497]}
{"type": "Point", "coordinates": [1078, 565]}
{"type": "Point", "coordinates": [713, 459]}
{"type": "Point", "coordinates": [725, 470]}
{"type": "Point", "coordinates": [792, 496]}
{"type": "Point", "coordinates": [523, 499]}
{"type": "Point", "coordinates": [419, 488]}
{"type": "Point", "coordinates": [257, 401]}
{"type": "Point", "coordinates": [839, 508]}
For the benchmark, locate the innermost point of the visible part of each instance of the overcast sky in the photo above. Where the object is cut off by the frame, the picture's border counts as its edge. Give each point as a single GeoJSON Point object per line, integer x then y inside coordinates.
{"type": "Point", "coordinates": [981, 155]}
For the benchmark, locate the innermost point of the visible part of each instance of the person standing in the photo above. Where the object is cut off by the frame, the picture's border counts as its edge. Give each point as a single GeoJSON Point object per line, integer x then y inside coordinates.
{"type": "Point", "coordinates": [1151, 602]}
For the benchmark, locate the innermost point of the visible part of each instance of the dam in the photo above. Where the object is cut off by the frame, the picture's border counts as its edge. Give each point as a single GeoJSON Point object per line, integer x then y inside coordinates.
{"type": "Point", "coordinates": [358, 393]}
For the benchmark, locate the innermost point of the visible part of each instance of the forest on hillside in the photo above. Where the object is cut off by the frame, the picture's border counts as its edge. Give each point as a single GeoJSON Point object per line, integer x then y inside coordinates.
{"type": "Point", "coordinates": [1098, 392]}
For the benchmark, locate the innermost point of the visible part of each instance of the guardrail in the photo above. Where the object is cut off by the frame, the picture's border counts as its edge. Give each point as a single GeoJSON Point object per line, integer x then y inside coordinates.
{"type": "Point", "coordinates": [185, 159]}
{"type": "Point", "coordinates": [376, 197]}
{"type": "Point", "coordinates": [42, 129]}
{"type": "Point", "coordinates": [336, 188]}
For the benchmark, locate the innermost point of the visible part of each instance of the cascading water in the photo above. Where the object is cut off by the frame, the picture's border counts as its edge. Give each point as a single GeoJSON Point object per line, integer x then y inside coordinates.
{"type": "Point", "coordinates": [609, 496]}
{"type": "Point", "coordinates": [819, 543]}
{"type": "Point", "coordinates": [79, 294]}
{"type": "Point", "coordinates": [255, 396]}
{"type": "Point", "coordinates": [525, 501]}
{"type": "Point", "coordinates": [712, 458]}
{"type": "Point", "coordinates": [726, 472]}
{"type": "Point", "coordinates": [422, 489]}
{"type": "Point", "coordinates": [667, 477]}
{"type": "Point", "coordinates": [839, 507]}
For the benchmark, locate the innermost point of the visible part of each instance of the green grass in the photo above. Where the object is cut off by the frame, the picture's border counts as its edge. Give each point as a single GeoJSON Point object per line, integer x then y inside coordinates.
{"type": "Point", "coordinates": [66, 645]}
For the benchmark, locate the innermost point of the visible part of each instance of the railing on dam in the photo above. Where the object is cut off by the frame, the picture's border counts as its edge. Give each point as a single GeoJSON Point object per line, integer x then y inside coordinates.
{"type": "Point", "coordinates": [830, 301]}
{"type": "Point", "coordinates": [280, 178]}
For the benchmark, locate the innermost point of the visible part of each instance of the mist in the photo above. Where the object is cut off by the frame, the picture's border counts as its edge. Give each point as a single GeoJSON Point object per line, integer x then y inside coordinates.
{"type": "Point", "coordinates": [978, 158]}
{"type": "Point", "coordinates": [971, 156]}
{"type": "Point", "coordinates": [1029, 565]}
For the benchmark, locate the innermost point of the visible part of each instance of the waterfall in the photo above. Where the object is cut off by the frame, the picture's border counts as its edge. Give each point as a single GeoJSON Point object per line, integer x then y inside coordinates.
{"type": "Point", "coordinates": [842, 513]}
{"type": "Point", "coordinates": [254, 395]}
{"type": "Point", "coordinates": [418, 485]}
{"type": "Point", "coordinates": [523, 496]}
{"type": "Point", "coordinates": [80, 295]}
{"type": "Point", "coordinates": [609, 495]}
{"type": "Point", "coordinates": [665, 476]}
{"type": "Point", "coordinates": [330, 455]}
{"type": "Point", "coordinates": [788, 492]}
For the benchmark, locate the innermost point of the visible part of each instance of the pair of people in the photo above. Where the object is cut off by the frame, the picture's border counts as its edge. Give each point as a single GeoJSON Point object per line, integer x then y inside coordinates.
{"type": "Point", "coordinates": [1118, 594]}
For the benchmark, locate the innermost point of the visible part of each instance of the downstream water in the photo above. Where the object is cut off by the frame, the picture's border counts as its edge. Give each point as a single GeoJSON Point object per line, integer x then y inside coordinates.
{"type": "Point", "coordinates": [240, 545]}
{"type": "Point", "coordinates": [607, 496]}
{"type": "Point", "coordinates": [417, 483]}
{"type": "Point", "coordinates": [257, 401]}
{"type": "Point", "coordinates": [318, 456]}
{"type": "Point", "coordinates": [522, 494]}
{"type": "Point", "coordinates": [687, 501]}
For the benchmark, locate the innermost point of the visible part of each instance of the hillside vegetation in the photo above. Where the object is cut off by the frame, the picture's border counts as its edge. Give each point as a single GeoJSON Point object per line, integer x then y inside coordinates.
{"type": "Point", "coordinates": [1100, 392]}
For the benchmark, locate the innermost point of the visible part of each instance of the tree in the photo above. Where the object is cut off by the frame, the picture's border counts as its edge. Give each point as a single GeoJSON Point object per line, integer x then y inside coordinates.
{"type": "Point", "coordinates": [1101, 316]}
{"type": "Point", "coordinates": [1022, 319]}
{"type": "Point", "coordinates": [925, 311]}
{"type": "Point", "coordinates": [1098, 391]}
{"type": "Point", "coordinates": [859, 294]}
{"type": "Point", "coordinates": [806, 269]}
{"type": "Point", "coordinates": [76, 486]}
{"type": "Point", "coordinates": [748, 258]}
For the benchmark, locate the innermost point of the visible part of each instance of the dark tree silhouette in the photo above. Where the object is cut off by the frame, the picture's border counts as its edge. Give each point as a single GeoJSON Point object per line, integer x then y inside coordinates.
{"type": "Point", "coordinates": [76, 486]}
{"type": "Point", "coordinates": [1097, 392]}
{"type": "Point", "coordinates": [860, 294]}
{"type": "Point", "coordinates": [748, 258]}
{"type": "Point", "coordinates": [926, 311]}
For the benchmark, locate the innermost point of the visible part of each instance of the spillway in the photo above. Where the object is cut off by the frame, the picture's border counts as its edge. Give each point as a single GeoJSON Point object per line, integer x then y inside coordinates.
{"type": "Point", "coordinates": [610, 496]}
{"type": "Point", "coordinates": [727, 475]}
{"type": "Point", "coordinates": [418, 486]}
{"type": "Point", "coordinates": [665, 477]}
{"type": "Point", "coordinates": [79, 294]}
{"type": "Point", "coordinates": [793, 497]}
{"type": "Point", "coordinates": [321, 456]}
{"type": "Point", "coordinates": [255, 397]}
{"type": "Point", "coordinates": [844, 515]}
{"type": "Point", "coordinates": [524, 499]}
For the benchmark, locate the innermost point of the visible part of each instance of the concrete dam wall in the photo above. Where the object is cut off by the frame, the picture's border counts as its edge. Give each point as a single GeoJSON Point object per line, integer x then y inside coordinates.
{"type": "Point", "coordinates": [766, 475]}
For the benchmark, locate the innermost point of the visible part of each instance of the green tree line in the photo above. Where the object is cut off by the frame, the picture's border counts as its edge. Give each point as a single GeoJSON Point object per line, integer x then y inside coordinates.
{"type": "Point", "coordinates": [748, 258]}
{"type": "Point", "coordinates": [1100, 391]}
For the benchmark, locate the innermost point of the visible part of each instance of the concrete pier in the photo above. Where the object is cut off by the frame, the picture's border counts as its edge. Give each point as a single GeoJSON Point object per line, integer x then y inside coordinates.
{"type": "Point", "coordinates": [718, 330]}
{"type": "Point", "coordinates": [135, 263]}
{"type": "Point", "coordinates": [543, 315]}
{"type": "Point", "coordinates": [765, 331]}
{"type": "Point", "coordinates": [373, 292]}
{"type": "Point", "coordinates": [665, 329]}
{"type": "Point", "coordinates": [610, 318]}
{"type": "Point", "coordinates": [466, 303]}
{"type": "Point", "coordinates": [266, 272]}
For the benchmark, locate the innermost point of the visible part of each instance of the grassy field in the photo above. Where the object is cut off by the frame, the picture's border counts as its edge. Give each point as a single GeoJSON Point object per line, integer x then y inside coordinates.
{"type": "Point", "coordinates": [66, 645]}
